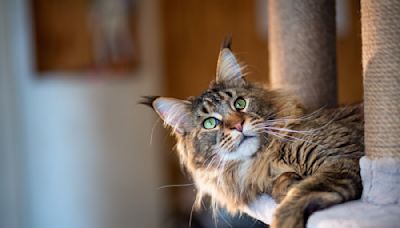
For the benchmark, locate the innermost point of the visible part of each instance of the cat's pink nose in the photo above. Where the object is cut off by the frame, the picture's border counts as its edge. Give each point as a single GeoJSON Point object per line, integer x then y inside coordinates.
{"type": "Point", "coordinates": [234, 121]}
{"type": "Point", "coordinates": [238, 127]}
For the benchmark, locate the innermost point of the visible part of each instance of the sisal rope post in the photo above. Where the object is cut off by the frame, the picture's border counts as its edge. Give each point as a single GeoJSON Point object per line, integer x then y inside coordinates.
{"type": "Point", "coordinates": [302, 45]}
{"type": "Point", "coordinates": [381, 68]}
{"type": "Point", "coordinates": [380, 168]}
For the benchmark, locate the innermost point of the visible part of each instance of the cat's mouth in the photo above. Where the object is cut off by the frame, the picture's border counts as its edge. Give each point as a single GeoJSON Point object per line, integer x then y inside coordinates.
{"type": "Point", "coordinates": [245, 147]}
{"type": "Point", "coordinates": [245, 138]}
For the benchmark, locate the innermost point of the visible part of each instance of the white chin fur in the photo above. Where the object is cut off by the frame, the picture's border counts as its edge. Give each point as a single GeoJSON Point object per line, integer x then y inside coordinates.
{"type": "Point", "coordinates": [246, 150]}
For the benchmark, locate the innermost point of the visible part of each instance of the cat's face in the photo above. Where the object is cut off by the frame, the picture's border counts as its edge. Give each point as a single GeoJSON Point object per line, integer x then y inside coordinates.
{"type": "Point", "coordinates": [226, 122]}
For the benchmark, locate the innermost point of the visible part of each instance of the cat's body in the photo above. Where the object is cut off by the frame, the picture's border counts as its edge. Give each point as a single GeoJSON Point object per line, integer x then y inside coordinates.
{"type": "Point", "coordinates": [328, 145]}
{"type": "Point", "coordinates": [238, 140]}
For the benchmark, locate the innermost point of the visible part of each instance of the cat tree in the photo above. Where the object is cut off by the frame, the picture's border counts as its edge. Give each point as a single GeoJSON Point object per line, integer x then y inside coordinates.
{"type": "Point", "coordinates": [302, 58]}
{"type": "Point", "coordinates": [302, 45]}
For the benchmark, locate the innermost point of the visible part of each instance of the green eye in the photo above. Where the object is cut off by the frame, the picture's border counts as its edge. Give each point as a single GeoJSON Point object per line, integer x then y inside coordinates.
{"type": "Point", "coordinates": [240, 103]}
{"type": "Point", "coordinates": [210, 123]}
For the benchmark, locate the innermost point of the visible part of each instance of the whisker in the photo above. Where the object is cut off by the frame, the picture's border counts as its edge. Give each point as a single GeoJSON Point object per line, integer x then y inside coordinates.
{"type": "Point", "coordinates": [209, 159]}
{"type": "Point", "coordinates": [152, 130]}
{"type": "Point", "coordinates": [289, 130]}
{"type": "Point", "coordinates": [224, 219]}
{"type": "Point", "coordinates": [220, 176]}
{"type": "Point", "coordinates": [191, 214]}
{"type": "Point", "coordinates": [278, 136]}
{"type": "Point", "coordinates": [175, 186]}
{"type": "Point", "coordinates": [293, 137]}
{"type": "Point", "coordinates": [304, 117]}
{"type": "Point", "coordinates": [286, 137]}
{"type": "Point", "coordinates": [215, 157]}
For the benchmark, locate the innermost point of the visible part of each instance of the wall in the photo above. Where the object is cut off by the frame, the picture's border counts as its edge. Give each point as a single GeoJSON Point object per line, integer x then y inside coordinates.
{"type": "Point", "coordinates": [8, 132]}
{"type": "Point", "coordinates": [86, 160]}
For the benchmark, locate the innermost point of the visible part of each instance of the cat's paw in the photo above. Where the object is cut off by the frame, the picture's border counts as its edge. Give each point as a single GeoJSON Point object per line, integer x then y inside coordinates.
{"type": "Point", "coordinates": [288, 216]}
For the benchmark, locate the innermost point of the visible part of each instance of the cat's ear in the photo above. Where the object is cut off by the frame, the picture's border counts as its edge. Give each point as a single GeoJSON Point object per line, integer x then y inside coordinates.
{"type": "Point", "coordinates": [228, 68]}
{"type": "Point", "coordinates": [174, 112]}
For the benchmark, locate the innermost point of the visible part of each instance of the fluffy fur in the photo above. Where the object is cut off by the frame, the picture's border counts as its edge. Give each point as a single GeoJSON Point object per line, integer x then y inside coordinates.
{"type": "Point", "coordinates": [307, 160]}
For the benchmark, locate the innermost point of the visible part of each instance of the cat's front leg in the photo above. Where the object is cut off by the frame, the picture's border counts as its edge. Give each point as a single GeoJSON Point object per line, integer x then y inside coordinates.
{"type": "Point", "coordinates": [315, 193]}
{"type": "Point", "coordinates": [282, 184]}
{"type": "Point", "coordinates": [294, 211]}
{"type": "Point", "coordinates": [288, 214]}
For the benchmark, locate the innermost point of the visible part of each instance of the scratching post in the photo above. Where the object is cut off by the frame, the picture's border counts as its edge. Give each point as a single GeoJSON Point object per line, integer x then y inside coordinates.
{"type": "Point", "coordinates": [381, 64]}
{"type": "Point", "coordinates": [381, 67]}
{"type": "Point", "coordinates": [302, 45]}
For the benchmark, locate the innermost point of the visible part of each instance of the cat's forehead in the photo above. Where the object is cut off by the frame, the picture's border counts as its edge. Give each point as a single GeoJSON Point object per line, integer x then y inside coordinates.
{"type": "Point", "coordinates": [215, 99]}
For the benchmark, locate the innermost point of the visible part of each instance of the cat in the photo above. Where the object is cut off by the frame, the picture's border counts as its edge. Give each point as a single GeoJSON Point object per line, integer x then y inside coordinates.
{"type": "Point", "coordinates": [240, 139]}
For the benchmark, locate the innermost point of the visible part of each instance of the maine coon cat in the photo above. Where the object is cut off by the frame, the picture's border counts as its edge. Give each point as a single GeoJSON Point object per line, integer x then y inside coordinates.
{"type": "Point", "coordinates": [239, 139]}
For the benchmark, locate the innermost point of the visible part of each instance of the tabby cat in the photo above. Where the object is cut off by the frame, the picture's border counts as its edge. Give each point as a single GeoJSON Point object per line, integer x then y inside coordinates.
{"type": "Point", "coordinates": [238, 140]}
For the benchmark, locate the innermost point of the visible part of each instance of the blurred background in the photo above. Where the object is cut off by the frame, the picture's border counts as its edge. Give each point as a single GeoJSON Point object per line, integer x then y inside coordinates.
{"type": "Point", "coordinates": [76, 151]}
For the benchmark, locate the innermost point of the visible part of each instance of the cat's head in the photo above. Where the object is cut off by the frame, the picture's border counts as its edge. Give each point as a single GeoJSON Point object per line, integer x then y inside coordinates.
{"type": "Point", "coordinates": [227, 122]}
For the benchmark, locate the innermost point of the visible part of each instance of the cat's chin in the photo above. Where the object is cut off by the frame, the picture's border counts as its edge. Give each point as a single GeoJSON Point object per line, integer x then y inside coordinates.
{"type": "Point", "coordinates": [246, 149]}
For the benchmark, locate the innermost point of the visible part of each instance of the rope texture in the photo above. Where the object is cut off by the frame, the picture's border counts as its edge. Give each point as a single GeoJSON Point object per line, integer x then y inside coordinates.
{"type": "Point", "coordinates": [302, 45]}
{"type": "Point", "coordinates": [381, 65]}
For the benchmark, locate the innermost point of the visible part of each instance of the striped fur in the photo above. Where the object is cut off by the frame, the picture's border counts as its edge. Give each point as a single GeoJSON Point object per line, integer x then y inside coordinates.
{"type": "Point", "coordinates": [305, 159]}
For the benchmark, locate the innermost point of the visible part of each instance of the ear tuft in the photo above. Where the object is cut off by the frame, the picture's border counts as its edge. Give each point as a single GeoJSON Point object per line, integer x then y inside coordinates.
{"type": "Point", "coordinates": [148, 100]}
{"type": "Point", "coordinates": [227, 42]}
